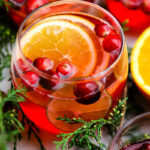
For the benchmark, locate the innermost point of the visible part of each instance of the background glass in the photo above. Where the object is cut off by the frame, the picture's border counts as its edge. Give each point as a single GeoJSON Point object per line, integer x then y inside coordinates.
{"type": "Point", "coordinates": [136, 127]}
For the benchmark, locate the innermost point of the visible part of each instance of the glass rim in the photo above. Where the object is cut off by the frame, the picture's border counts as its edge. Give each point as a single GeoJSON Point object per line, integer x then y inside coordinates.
{"type": "Point", "coordinates": [79, 79]}
{"type": "Point", "coordinates": [127, 126]}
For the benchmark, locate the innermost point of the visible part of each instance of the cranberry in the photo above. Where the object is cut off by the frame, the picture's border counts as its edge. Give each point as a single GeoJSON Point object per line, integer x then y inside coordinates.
{"type": "Point", "coordinates": [108, 80]}
{"type": "Point", "coordinates": [43, 63]}
{"type": "Point", "coordinates": [132, 4]}
{"type": "Point", "coordinates": [102, 29]}
{"type": "Point", "coordinates": [146, 6]}
{"type": "Point", "coordinates": [145, 146]}
{"type": "Point", "coordinates": [65, 69]}
{"type": "Point", "coordinates": [33, 4]}
{"type": "Point", "coordinates": [22, 66]}
{"type": "Point", "coordinates": [113, 56]}
{"type": "Point", "coordinates": [87, 93]}
{"type": "Point", "coordinates": [111, 42]}
{"type": "Point", "coordinates": [50, 84]}
{"type": "Point", "coordinates": [30, 78]}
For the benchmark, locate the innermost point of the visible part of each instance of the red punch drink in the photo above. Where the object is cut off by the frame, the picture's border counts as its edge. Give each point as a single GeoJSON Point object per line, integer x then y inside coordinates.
{"type": "Point", "coordinates": [72, 58]}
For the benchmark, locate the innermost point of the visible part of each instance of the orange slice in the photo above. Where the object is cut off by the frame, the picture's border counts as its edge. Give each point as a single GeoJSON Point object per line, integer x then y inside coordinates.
{"type": "Point", "coordinates": [140, 63]}
{"type": "Point", "coordinates": [72, 109]}
{"type": "Point", "coordinates": [61, 40]}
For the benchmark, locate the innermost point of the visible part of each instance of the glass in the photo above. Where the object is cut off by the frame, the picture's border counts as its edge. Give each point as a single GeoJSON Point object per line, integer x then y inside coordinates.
{"type": "Point", "coordinates": [122, 13]}
{"type": "Point", "coordinates": [137, 127]}
{"type": "Point", "coordinates": [101, 88]}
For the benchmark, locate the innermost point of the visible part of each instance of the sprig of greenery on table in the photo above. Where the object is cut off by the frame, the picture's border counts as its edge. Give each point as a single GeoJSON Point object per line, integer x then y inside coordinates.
{"type": "Point", "coordinates": [10, 126]}
{"type": "Point", "coordinates": [84, 135]}
{"type": "Point", "coordinates": [7, 36]}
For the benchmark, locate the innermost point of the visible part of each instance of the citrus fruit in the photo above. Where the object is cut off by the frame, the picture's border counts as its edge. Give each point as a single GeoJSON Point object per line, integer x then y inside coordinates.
{"type": "Point", "coordinates": [140, 60]}
{"type": "Point", "coordinates": [72, 109]}
{"type": "Point", "coordinates": [61, 40]}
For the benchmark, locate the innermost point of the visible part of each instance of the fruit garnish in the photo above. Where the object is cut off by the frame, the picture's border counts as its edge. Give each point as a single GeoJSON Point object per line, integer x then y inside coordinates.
{"type": "Point", "coordinates": [87, 93]}
{"type": "Point", "coordinates": [33, 4]}
{"type": "Point", "coordinates": [30, 78]}
{"type": "Point", "coordinates": [72, 109]}
{"type": "Point", "coordinates": [111, 42]}
{"type": "Point", "coordinates": [43, 63]}
{"type": "Point", "coordinates": [65, 69]}
{"type": "Point", "coordinates": [57, 42]}
{"type": "Point", "coordinates": [140, 60]}
{"type": "Point", "coordinates": [102, 29]}
{"type": "Point", "coordinates": [132, 4]}
{"type": "Point", "coordinates": [51, 83]}
{"type": "Point", "coordinates": [113, 56]}
{"type": "Point", "coordinates": [21, 64]}
{"type": "Point", "coordinates": [146, 6]}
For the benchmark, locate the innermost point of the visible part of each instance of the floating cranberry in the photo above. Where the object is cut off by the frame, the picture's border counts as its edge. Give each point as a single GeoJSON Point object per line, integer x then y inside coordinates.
{"type": "Point", "coordinates": [111, 42]}
{"type": "Point", "coordinates": [43, 63]}
{"type": "Point", "coordinates": [51, 83]}
{"type": "Point", "coordinates": [132, 4]}
{"type": "Point", "coordinates": [113, 56]}
{"type": "Point", "coordinates": [30, 78]}
{"type": "Point", "coordinates": [33, 4]}
{"type": "Point", "coordinates": [87, 93]}
{"type": "Point", "coordinates": [108, 80]}
{"type": "Point", "coordinates": [146, 6]}
{"type": "Point", "coordinates": [22, 66]}
{"type": "Point", "coordinates": [102, 29]}
{"type": "Point", "coordinates": [145, 146]}
{"type": "Point", "coordinates": [65, 69]}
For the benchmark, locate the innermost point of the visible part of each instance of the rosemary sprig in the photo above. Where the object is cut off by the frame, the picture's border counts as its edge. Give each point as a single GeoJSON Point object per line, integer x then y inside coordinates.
{"type": "Point", "coordinates": [83, 136]}
{"type": "Point", "coordinates": [7, 38]}
{"type": "Point", "coordinates": [9, 123]}
{"type": "Point", "coordinates": [3, 4]}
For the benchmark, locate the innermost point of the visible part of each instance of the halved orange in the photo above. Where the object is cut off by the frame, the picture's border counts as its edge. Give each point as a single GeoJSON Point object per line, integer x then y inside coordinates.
{"type": "Point", "coordinates": [140, 63]}
{"type": "Point", "coordinates": [62, 40]}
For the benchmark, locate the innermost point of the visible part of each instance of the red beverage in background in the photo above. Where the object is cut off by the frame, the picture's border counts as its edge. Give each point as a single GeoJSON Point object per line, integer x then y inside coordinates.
{"type": "Point", "coordinates": [138, 18]}
{"type": "Point", "coordinates": [21, 8]}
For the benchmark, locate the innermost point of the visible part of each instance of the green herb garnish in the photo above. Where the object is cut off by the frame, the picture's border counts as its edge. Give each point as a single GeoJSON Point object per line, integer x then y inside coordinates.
{"type": "Point", "coordinates": [84, 135]}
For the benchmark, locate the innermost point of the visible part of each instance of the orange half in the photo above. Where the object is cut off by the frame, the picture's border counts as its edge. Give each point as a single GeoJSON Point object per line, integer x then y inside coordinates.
{"type": "Point", "coordinates": [140, 62]}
